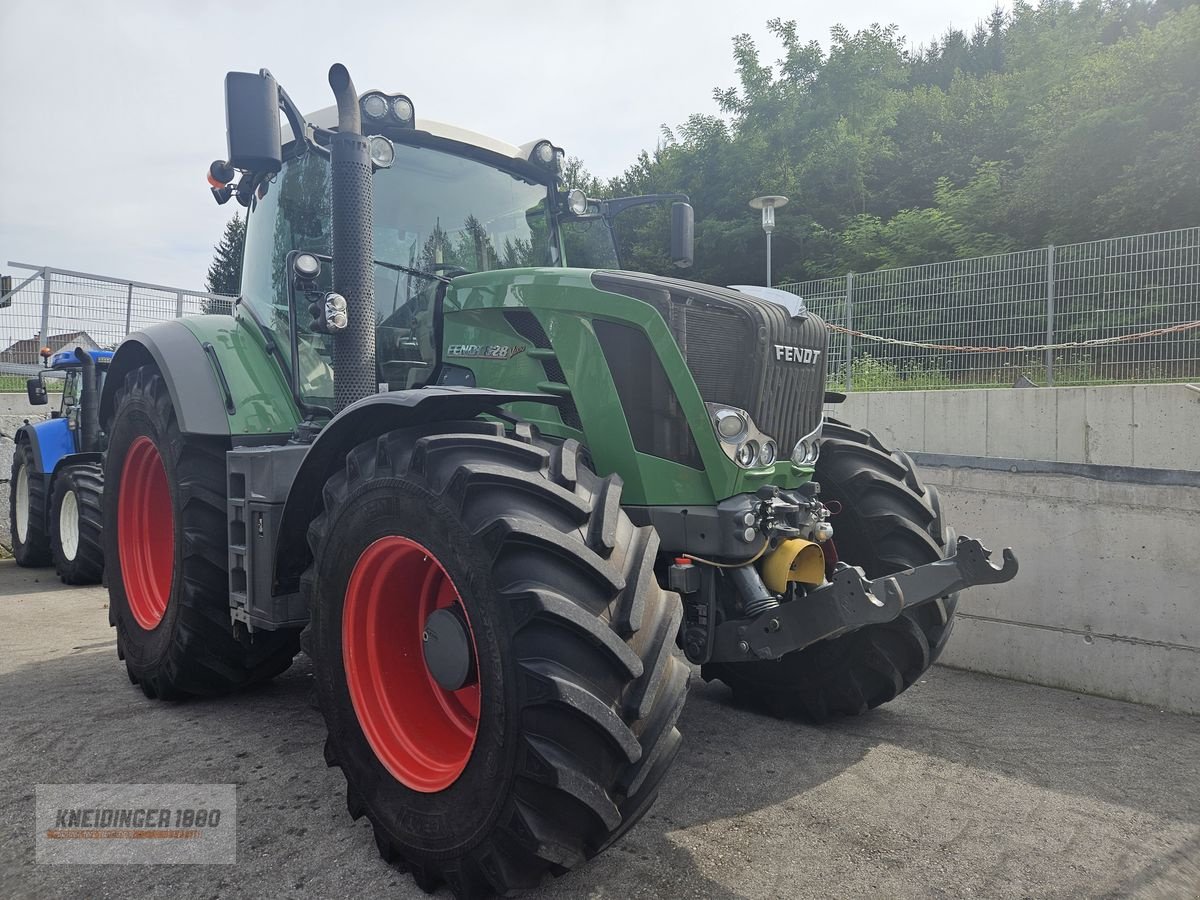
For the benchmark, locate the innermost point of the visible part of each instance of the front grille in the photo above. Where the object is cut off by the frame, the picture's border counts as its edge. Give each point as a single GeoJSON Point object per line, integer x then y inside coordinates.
{"type": "Point", "coordinates": [729, 342]}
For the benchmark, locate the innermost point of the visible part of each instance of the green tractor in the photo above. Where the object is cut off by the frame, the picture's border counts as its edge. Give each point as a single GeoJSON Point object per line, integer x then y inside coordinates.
{"type": "Point", "coordinates": [491, 492]}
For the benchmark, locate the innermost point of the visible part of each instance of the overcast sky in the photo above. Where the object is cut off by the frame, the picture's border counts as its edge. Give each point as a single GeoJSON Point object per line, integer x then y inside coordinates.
{"type": "Point", "coordinates": [112, 111]}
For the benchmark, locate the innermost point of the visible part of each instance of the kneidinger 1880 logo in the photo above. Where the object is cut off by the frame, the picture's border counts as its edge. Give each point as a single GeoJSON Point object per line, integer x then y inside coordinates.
{"type": "Point", "coordinates": [136, 823]}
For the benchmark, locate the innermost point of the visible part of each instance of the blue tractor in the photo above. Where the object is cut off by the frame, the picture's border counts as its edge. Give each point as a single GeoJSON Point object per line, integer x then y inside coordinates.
{"type": "Point", "coordinates": [57, 478]}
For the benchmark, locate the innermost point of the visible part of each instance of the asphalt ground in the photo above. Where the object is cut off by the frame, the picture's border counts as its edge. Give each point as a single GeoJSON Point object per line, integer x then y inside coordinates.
{"type": "Point", "coordinates": [965, 786]}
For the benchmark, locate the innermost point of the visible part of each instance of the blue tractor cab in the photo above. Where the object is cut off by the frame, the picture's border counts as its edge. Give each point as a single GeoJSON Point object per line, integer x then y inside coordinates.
{"type": "Point", "coordinates": [57, 479]}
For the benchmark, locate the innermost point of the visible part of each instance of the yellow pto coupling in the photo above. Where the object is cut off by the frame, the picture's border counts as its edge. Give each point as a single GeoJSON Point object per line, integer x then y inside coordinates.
{"type": "Point", "coordinates": [793, 560]}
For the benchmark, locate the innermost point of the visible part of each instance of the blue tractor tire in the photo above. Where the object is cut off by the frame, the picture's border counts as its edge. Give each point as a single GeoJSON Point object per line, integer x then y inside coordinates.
{"type": "Point", "coordinates": [27, 509]}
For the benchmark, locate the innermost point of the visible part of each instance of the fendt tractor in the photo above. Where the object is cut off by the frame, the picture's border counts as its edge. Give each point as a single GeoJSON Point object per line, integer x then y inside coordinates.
{"type": "Point", "coordinates": [57, 485]}
{"type": "Point", "coordinates": [490, 483]}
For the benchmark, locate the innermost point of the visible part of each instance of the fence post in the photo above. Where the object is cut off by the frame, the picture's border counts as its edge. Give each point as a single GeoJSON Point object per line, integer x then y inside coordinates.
{"type": "Point", "coordinates": [849, 328]}
{"type": "Point", "coordinates": [128, 307]}
{"type": "Point", "coordinates": [47, 274]}
{"type": "Point", "coordinates": [179, 304]}
{"type": "Point", "coordinates": [1049, 354]}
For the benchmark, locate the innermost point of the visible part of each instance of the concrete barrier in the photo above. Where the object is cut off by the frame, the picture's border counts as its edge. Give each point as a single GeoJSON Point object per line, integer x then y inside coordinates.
{"type": "Point", "coordinates": [1108, 597]}
{"type": "Point", "coordinates": [1146, 425]}
{"type": "Point", "coordinates": [14, 410]}
{"type": "Point", "coordinates": [1097, 490]}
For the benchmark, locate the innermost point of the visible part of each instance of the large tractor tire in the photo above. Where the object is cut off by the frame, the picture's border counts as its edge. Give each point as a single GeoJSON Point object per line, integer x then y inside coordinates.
{"type": "Point", "coordinates": [510, 565]}
{"type": "Point", "coordinates": [165, 541]}
{"type": "Point", "coordinates": [888, 521]}
{"type": "Point", "coordinates": [77, 524]}
{"type": "Point", "coordinates": [27, 510]}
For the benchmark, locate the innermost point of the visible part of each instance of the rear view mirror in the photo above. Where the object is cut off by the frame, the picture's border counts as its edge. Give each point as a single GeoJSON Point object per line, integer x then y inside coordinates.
{"type": "Point", "coordinates": [682, 234]}
{"type": "Point", "coordinates": [252, 121]}
{"type": "Point", "coordinates": [36, 391]}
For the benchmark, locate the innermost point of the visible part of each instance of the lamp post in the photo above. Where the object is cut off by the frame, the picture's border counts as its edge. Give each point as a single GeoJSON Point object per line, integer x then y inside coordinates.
{"type": "Point", "coordinates": [768, 205]}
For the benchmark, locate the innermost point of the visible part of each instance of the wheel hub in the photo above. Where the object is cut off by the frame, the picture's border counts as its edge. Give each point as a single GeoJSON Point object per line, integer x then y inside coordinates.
{"type": "Point", "coordinates": [68, 525]}
{"type": "Point", "coordinates": [22, 501]}
{"type": "Point", "coordinates": [447, 648]}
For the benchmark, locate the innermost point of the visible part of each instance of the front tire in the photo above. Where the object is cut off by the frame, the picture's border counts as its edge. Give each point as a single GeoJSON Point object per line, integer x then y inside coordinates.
{"type": "Point", "coordinates": [166, 547]}
{"type": "Point", "coordinates": [889, 521]}
{"type": "Point", "coordinates": [77, 524]}
{"type": "Point", "coordinates": [27, 510]}
{"type": "Point", "coordinates": [561, 741]}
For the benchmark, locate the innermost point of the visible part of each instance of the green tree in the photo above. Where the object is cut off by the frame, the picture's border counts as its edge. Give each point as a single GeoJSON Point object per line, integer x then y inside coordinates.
{"type": "Point", "coordinates": [225, 272]}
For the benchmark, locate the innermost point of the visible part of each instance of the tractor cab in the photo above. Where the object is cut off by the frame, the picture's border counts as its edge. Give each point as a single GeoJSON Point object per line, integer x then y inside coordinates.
{"type": "Point", "coordinates": [68, 365]}
{"type": "Point", "coordinates": [447, 202]}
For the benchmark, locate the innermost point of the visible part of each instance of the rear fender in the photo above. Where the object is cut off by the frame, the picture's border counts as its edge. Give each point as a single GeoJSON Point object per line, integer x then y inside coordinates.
{"type": "Point", "coordinates": [359, 422]}
{"type": "Point", "coordinates": [218, 374]}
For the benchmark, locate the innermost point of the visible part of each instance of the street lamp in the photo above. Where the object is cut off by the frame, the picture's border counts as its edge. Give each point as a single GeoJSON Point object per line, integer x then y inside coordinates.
{"type": "Point", "coordinates": [768, 205]}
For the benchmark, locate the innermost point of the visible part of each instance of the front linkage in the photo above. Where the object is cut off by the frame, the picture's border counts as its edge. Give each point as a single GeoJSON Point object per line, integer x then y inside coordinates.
{"type": "Point", "coordinates": [850, 600]}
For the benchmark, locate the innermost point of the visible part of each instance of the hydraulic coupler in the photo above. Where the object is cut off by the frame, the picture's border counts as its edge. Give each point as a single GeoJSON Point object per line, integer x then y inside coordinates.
{"type": "Point", "coordinates": [850, 601]}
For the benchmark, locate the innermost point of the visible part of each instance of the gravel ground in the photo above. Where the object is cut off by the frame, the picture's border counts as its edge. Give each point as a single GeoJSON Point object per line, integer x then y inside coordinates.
{"type": "Point", "coordinates": [966, 786]}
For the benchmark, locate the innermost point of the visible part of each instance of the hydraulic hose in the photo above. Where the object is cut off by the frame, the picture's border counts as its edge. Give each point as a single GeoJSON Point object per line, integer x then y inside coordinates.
{"type": "Point", "coordinates": [353, 247]}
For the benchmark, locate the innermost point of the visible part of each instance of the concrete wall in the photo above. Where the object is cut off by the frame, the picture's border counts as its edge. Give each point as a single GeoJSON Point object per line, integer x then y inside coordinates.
{"type": "Point", "coordinates": [1097, 490]}
{"type": "Point", "coordinates": [1154, 425]}
{"type": "Point", "coordinates": [14, 410]}
{"type": "Point", "coordinates": [1107, 600]}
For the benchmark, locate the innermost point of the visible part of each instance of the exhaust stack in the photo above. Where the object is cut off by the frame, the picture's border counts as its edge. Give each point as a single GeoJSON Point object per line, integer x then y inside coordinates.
{"type": "Point", "coordinates": [89, 403]}
{"type": "Point", "coordinates": [353, 247]}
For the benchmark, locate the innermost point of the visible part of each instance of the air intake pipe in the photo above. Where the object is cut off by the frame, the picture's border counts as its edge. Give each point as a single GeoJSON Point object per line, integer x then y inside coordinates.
{"type": "Point", "coordinates": [89, 404]}
{"type": "Point", "coordinates": [353, 247]}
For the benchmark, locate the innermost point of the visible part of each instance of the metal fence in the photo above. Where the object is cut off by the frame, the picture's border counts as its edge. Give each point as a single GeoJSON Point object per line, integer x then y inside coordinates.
{"type": "Point", "coordinates": [57, 308]}
{"type": "Point", "coordinates": [1120, 310]}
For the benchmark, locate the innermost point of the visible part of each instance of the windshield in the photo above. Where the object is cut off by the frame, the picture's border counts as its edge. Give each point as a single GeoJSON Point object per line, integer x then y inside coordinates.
{"type": "Point", "coordinates": [434, 213]}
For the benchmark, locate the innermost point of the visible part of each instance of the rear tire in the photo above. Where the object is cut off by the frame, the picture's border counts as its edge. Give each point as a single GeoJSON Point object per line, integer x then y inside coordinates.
{"type": "Point", "coordinates": [577, 688]}
{"type": "Point", "coordinates": [77, 524]}
{"type": "Point", "coordinates": [27, 510]}
{"type": "Point", "coordinates": [166, 547]}
{"type": "Point", "coordinates": [889, 521]}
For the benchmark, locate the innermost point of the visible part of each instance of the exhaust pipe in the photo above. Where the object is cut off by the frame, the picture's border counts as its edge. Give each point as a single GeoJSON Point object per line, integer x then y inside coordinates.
{"type": "Point", "coordinates": [89, 404]}
{"type": "Point", "coordinates": [353, 247]}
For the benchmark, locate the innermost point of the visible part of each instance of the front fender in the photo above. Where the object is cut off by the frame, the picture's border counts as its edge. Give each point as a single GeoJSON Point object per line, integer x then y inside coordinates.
{"type": "Point", "coordinates": [50, 441]}
{"type": "Point", "coordinates": [359, 422]}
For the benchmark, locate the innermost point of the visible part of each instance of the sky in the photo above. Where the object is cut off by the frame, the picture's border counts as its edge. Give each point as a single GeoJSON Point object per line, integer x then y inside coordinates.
{"type": "Point", "coordinates": [112, 111]}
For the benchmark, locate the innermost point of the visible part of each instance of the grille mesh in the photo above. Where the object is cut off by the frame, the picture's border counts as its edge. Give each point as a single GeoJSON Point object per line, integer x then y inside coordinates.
{"type": "Point", "coordinates": [728, 341]}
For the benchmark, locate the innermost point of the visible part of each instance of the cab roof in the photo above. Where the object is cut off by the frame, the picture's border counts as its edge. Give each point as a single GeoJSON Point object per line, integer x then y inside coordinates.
{"type": "Point", "coordinates": [328, 118]}
{"type": "Point", "coordinates": [65, 359]}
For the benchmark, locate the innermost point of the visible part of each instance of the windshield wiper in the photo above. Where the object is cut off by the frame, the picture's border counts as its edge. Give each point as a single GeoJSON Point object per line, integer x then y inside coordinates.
{"type": "Point", "coordinates": [395, 267]}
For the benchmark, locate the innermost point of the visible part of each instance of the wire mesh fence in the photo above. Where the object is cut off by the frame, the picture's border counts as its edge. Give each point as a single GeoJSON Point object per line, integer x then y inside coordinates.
{"type": "Point", "coordinates": [1120, 310]}
{"type": "Point", "coordinates": [61, 309]}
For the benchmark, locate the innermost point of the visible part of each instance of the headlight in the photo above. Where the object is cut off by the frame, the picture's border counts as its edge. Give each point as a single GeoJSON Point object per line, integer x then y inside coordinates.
{"type": "Point", "coordinates": [740, 438]}
{"type": "Point", "coordinates": [808, 448]}
{"type": "Point", "coordinates": [577, 202]}
{"type": "Point", "coordinates": [383, 154]}
{"type": "Point", "coordinates": [730, 424]}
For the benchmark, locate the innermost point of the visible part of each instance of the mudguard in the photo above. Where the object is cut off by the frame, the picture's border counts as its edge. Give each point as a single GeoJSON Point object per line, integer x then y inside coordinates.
{"type": "Point", "coordinates": [50, 441]}
{"type": "Point", "coordinates": [361, 421]}
{"type": "Point", "coordinates": [218, 374]}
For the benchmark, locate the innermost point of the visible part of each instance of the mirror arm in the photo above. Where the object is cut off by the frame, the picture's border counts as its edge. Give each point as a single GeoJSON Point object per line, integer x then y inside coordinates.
{"type": "Point", "coordinates": [610, 209]}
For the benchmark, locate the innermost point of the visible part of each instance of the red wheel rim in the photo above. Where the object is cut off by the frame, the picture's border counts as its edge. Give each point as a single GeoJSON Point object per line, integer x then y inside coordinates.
{"type": "Point", "coordinates": [146, 533]}
{"type": "Point", "coordinates": [421, 732]}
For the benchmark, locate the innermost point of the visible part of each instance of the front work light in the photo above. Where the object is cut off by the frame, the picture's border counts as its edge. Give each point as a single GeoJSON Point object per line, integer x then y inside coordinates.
{"type": "Point", "coordinates": [402, 109]}
{"type": "Point", "coordinates": [375, 106]}
{"type": "Point", "coordinates": [577, 202]}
